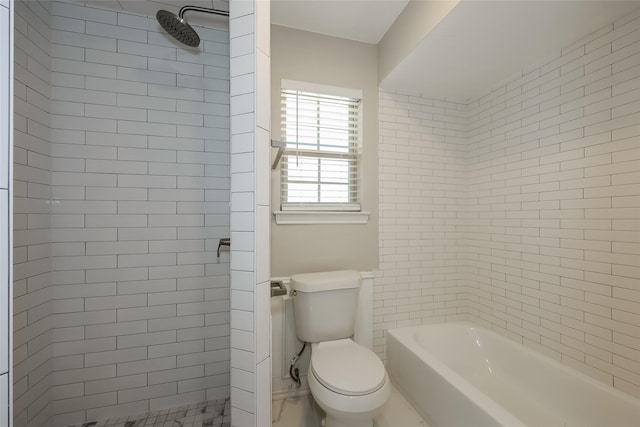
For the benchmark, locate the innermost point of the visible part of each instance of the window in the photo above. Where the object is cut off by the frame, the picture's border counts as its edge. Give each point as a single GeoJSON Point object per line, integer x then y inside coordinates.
{"type": "Point", "coordinates": [320, 168]}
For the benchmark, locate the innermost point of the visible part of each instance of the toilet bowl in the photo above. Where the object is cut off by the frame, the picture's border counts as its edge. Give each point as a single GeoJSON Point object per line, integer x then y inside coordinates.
{"type": "Point", "coordinates": [349, 382]}
{"type": "Point", "coordinates": [346, 379]}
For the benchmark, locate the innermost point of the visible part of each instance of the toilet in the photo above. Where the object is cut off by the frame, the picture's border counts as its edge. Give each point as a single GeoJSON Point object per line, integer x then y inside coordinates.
{"type": "Point", "coordinates": [347, 380]}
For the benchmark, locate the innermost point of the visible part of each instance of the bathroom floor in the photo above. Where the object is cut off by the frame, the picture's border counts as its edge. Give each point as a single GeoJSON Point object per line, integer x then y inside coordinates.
{"type": "Point", "coordinates": [299, 411]}
{"type": "Point", "coordinates": [216, 413]}
{"type": "Point", "coordinates": [302, 411]}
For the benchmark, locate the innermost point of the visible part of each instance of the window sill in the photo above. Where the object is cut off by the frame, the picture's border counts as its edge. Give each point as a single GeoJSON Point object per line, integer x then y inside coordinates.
{"type": "Point", "coordinates": [315, 217]}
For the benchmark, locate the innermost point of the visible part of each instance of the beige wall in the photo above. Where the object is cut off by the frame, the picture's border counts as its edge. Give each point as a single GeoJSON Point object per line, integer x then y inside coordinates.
{"type": "Point", "coordinates": [315, 58]}
{"type": "Point", "coordinates": [415, 22]}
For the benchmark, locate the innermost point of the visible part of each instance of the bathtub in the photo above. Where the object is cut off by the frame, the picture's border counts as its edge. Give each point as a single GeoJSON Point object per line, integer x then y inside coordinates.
{"type": "Point", "coordinates": [458, 374]}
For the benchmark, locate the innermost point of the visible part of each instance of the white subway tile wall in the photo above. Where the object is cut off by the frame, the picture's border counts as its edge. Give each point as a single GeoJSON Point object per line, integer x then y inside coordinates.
{"type": "Point", "coordinates": [543, 217]}
{"type": "Point", "coordinates": [250, 214]}
{"type": "Point", "coordinates": [141, 178]}
{"type": "Point", "coordinates": [118, 287]}
{"type": "Point", "coordinates": [32, 276]}
{"type": "Point", "coordinates": [6, 113]}
{"type": "Point", "coordinates": [423, 202]}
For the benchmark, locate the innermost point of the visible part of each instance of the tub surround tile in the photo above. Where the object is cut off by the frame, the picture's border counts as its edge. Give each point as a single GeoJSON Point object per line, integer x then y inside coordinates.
{"type": "Point", "coordinates": [519, 210]}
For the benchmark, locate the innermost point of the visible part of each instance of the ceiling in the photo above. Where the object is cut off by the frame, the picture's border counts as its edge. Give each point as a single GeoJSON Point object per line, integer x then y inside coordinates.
{"type": "Point", "coordinates": [477, 45]}
{"type": "Point", "coordinates": [481, 43]}
{"type": "Point", "coordinates": [360, 20]}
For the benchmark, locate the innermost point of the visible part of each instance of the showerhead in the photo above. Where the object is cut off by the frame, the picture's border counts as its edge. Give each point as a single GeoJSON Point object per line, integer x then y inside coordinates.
{"type": "Point", "coordinates": [178, 28]}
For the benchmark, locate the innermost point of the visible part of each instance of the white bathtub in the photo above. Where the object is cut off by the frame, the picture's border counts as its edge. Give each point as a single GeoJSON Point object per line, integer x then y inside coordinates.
{"type": "Point", "coordinates": [459, 375]}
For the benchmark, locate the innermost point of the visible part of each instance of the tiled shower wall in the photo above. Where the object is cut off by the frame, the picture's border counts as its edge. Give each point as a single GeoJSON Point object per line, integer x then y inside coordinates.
{"type": "Point", "coordinates": [140, 151]}
{"type": "Point", "coordinates": [6, 136]}
{"type": "Point", "coordinates": [422, 199]}
{"type": "Point", "coordinates": [135, 312]}
{"type": "Point", "coordinates": [32, 339]}
{"type": "Point", "coordinates": [549, 240]}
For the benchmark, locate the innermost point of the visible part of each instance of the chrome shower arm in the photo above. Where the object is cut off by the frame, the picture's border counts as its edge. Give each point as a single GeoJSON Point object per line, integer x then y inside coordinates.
{"type": "Point", "coordinates": [185, 9]}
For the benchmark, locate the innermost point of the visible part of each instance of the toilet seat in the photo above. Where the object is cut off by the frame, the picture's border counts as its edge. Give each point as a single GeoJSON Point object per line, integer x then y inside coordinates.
{"type": "Point", "coordinates": [347, 368]}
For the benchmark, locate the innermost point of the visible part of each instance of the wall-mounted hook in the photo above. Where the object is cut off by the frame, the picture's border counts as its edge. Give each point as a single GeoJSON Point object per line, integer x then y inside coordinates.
{"type": "Point", "coordinates": [280, 145]}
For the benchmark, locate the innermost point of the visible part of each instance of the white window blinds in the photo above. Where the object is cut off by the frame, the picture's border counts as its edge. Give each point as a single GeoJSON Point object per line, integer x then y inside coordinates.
{"type": "Point", "coordinates": [320, 167]}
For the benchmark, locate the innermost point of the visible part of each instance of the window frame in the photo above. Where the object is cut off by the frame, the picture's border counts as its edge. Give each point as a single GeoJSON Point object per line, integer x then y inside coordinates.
{"type": "Point", "coordinates": [328, 212]}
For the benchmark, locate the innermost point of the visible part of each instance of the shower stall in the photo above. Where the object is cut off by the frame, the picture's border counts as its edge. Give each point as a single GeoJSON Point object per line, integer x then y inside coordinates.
{"type": "Point", "coordinates": [135, 158]}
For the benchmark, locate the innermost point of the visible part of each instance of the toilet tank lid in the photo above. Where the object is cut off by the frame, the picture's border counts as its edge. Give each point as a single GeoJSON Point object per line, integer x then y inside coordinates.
{"type": "Point", "coordinates": [325, 281]}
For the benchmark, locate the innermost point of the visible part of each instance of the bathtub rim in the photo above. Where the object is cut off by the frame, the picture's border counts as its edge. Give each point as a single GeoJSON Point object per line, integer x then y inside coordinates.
{"type": "Point", "coordinates": [405, 336]}
{"type": "Point", "coordinates": [484, 402]}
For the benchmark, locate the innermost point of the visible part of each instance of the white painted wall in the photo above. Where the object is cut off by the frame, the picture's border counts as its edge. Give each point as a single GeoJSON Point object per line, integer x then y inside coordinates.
{"type": "Point", "coordinates": [414, 23]}
{"type": "Point", "coordinates": [325, 60]}
{"type": "Point", "coordinates": [521, 210]}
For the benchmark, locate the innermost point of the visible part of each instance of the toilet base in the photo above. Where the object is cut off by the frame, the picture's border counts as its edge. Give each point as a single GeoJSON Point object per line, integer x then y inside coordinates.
{"type": "Point", "coordinates": [345, 410]}
{"type": "Point", "coordinates": [330, 421]}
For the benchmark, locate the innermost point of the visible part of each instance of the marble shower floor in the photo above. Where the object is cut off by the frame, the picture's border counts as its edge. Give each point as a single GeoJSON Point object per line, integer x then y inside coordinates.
{"type": "Point", "coordinates": [204, 414]}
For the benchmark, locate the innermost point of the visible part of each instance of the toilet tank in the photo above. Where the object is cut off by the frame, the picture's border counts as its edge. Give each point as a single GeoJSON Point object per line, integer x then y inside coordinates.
{"type": "Point", "coordinates": [325, 304]}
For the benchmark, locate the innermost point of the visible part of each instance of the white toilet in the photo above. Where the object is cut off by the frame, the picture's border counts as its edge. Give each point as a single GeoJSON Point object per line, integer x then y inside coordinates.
{"type": "Point", "coordinates": [347, 380]}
